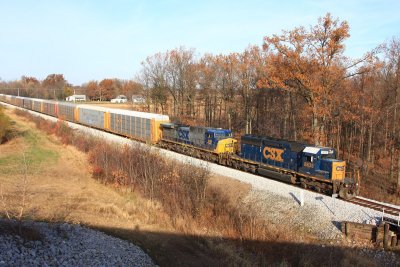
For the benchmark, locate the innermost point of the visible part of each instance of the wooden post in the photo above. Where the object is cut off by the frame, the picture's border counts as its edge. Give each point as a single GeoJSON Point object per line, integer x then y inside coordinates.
{"type": "Point", "coordinates": [386, 236]}
{"type": "Point", "coordinates": [343, 227]}
{"type": "Point", "coordinates": [393, 242]}
{"type": "Point", "coordinates": [301, 198]}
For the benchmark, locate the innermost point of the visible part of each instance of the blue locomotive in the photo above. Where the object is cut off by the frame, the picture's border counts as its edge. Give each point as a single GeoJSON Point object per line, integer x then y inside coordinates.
{"type": "Point", "coordinates": [217, 140]}
{"type": "Point", "coordinates": [311, 166]}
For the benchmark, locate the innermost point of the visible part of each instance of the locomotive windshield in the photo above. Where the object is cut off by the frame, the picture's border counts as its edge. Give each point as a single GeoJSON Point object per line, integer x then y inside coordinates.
{"type": "Point", "coordinates": [222, 135]}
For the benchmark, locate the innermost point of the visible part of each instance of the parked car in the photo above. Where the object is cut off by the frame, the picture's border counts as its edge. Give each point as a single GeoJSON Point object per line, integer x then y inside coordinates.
{"type": "Point", "coordinates": [119, 99]}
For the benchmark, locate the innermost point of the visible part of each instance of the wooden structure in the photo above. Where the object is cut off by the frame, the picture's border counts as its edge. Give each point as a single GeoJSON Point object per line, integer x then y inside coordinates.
{"type": "Point", "coordinates": [385, 234]}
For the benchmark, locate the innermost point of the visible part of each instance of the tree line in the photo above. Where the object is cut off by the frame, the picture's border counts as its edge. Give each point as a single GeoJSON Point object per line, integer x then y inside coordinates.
{"type": "Point", "coordinates": [298, 85]}
{"type": "Point", "coordinates": [56, 87]}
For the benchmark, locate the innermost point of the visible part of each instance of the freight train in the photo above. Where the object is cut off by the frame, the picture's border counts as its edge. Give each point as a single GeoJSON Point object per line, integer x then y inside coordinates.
{"type": "Point", "coordinates": [309, 166]}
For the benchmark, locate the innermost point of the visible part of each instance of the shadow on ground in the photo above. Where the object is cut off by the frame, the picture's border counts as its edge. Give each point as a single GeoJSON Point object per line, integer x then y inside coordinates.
{"type": "Point", "coordinates": [168, 249]}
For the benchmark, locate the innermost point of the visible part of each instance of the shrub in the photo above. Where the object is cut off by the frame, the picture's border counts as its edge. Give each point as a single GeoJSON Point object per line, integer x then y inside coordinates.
{"type": "Point", "coordinates": [5, 127]}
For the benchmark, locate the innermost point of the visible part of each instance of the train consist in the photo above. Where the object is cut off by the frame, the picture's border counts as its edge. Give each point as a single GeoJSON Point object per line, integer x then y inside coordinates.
{"type": "Point", "coordinates": [309, 166]}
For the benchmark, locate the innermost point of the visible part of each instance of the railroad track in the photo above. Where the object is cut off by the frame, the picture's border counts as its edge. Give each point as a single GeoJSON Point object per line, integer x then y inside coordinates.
{"type": "Point", "coordinates": [386, 209]}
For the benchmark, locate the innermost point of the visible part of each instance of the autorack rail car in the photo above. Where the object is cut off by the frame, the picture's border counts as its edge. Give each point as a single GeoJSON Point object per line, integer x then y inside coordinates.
{"type": "Point", "coordinates": [140, 126]}
{"type": "Point", "coordinates": [310, 166]}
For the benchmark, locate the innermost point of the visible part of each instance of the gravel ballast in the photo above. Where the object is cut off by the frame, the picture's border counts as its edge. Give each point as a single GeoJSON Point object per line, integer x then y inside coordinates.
{"type": "Point", "coordinates": [43, 244]}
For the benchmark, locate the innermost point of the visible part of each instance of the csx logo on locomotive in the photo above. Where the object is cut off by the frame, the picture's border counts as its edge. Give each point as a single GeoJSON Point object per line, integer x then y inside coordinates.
{"type": "Point", "coordinates": [273, 153]}
{"type": "Point", "coordinates": [340, 168]}
{"type": "Point", "coordinates": [183, 135]}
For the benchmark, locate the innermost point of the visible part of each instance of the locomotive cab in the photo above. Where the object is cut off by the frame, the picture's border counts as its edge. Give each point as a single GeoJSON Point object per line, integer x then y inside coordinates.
{"type": "Point", "coordinates": [321, 162]}
{"type": "Point", "coordinates": [212, 136]}
{"type": "Point", "coordinates": [221, 141]}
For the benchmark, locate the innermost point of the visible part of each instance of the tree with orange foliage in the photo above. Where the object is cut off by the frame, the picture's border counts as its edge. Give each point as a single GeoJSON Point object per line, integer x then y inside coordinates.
{"type": "Point", "coordinates": [31, 85]}
{"type": "Point", "coordinates": [92, 90]}
{"type": "Point", "coordinates": [309, 63]}
{"type": "Point", "coordinates": [53, 86]}
{"type": "Point", "coordinates": [106, 89]}
{"type": "Point", "coordinates": [130, 88]}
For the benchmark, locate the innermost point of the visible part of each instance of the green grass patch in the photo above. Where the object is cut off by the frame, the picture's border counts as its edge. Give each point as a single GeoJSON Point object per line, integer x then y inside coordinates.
{"type": "Point", "coordinates": [36, 156]}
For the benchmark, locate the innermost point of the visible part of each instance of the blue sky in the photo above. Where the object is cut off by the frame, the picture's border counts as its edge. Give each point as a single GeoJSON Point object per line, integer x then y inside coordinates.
{"type": "Point", "coordinates": [92, 40]}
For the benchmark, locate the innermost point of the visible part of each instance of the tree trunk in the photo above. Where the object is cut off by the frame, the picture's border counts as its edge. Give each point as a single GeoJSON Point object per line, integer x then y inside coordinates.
{"type": "Point", "coordinates": [350, 143]}
{"type": "Point", "coordinates": [315, 125]}
{"type": "Point", "coordinates": [398, 170]}
{"type": "Point", "coordinates": [229, 121]}
{"type": "Point", "coordinates": [392, 149]}
{"type": "Point", "coordinates": [293, 117]}
{"type": "Point", "coordinates": [386, 133]}
{"type": "Point", "coordinates": [286, 116]}
{"type": "Point", "coordinates": [362, 133]}
{"type": "Point", "coordinates": [369, 141]}
{"type": "Point", "coordinates": [338, 138]}
{"type": "Point", "coordinates": [391, 173]}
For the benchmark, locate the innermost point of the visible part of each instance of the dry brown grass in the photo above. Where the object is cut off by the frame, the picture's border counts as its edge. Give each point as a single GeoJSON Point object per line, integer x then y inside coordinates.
{"type": "Point", "coordinates": [9, 148]}
{"type": "Point", "coordinates": [64, 190]}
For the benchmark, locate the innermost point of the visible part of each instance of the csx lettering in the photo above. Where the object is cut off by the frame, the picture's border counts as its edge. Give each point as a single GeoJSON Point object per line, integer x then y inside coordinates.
{"type": "Point", "coordinates": [184, 135]}
{"type": "Point", "coordinates": [273, 153]}
{"type": "Point", "coordinates": [340, 168]}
